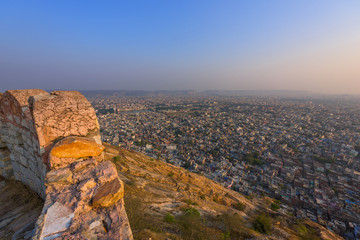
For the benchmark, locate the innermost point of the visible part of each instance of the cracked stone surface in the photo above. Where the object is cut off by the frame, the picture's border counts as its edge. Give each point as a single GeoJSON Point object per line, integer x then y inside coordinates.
{"type": "Point", "coordinates": [62, 114]}
{"type": "Point", "coordinates": [22, 96]}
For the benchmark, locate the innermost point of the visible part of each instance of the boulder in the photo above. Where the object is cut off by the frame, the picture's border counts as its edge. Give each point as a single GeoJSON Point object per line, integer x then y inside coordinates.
{"type": "Point", "coordinates": [76, 147]}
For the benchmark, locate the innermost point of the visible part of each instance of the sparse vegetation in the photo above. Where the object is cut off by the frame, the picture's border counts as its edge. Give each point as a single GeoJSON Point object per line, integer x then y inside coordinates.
{"type": "Point", "coordinates": [135, 212]}
{"type": "Point", "coordinates": [192, 222]}
{"type": "Point", "coordinates": [233, 226]}
{"type": "Point", "coordinates": [193, 226]}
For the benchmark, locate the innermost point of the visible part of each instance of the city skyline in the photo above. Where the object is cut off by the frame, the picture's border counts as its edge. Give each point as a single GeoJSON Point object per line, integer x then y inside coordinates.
{"type": "Point", "coordinates": [203, 45]}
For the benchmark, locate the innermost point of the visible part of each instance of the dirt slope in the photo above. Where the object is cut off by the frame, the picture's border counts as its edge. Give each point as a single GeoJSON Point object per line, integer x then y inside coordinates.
{"type": "Point", "coordinates": [159, 197]}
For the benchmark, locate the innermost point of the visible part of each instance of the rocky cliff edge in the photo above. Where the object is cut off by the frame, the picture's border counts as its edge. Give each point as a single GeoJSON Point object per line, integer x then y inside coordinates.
{"type": "Point", "coordinates": [51, 143]}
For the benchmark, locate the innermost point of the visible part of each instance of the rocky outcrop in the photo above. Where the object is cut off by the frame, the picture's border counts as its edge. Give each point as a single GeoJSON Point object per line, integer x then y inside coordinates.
{"type": "Point", "coordinates": [51, 143]}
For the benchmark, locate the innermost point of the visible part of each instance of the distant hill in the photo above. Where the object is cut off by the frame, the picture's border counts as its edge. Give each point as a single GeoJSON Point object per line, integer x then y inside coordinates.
{"type": "Point", "coordinates": [168, 202]}
{"type": "Point", "coordinates": [135, 93]}
{"type": "Point", "coordinates": [282, 93]}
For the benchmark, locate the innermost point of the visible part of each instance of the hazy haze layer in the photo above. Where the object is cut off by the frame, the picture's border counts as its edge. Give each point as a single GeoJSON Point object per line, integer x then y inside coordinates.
{"type": "Point", "coordinates": [201, 45]}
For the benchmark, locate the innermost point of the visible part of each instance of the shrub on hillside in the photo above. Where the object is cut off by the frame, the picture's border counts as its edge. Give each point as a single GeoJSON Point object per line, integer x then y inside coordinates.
{"type": "Point", "coordinates": [190, 202]}
{"type": "Point", "coordinates": [305, 233]}
{"type": "Point", "coordinates": [239, 206]}
{"type": "Point", "coordinates": [274, 206]}
{"type": "Point", "coordinates": [262, 224]}
{"type": "Point", "coordinates": [169, 218]}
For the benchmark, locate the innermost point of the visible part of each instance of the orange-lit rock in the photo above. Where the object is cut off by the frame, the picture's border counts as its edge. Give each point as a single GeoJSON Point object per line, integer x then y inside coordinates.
{"type": "Point", "coordinates": [76, 147]}
{"type": "Point", "coordinates": [108, 194]}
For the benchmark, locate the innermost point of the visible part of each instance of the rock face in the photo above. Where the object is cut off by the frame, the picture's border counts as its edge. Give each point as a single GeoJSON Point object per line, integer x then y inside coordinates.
{"type": "Point", "coordinates": [51, 143]}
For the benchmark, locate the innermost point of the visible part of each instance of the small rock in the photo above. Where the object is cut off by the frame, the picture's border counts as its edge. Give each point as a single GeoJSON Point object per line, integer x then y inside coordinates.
{"type": "Point", "coordinates": [86, 185]}
{"type": "Point", "coordinates": [108, 194]}
{"type": "Point", "coordinates": [95, 224]}
{"type": "Point", "coordinates": [106, 171]}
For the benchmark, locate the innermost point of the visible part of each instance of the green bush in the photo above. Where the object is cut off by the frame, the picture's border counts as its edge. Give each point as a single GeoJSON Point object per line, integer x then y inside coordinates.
{"type": "Point", "coordinates": [226, 235]}
{"type": "Point", "coordinates": [305, 233]}
{"type": "Point", "coordinates": [274, 206]}
{"type": "Point", "coordinates": [233, 226]}
{"type": "Point", "coordinates": [262, 224]}
{"type": "Point", "coordinates": [169, 218]}
{"type": "Point", "coordinates": [239, 206]}
{"type": "Point", "coordinates": [190, 202]}
{"type": "Point", "coordinates": [192, 212]}
{"type": "Point", "coordinates": [191, 224]}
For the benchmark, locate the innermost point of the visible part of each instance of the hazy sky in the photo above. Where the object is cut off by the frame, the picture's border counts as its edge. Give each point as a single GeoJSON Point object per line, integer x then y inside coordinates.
{"type": "Point", "coordinates": [168, 45]}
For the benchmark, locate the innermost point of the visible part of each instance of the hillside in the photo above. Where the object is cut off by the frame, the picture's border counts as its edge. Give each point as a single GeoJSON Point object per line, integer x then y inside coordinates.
{"type": "Point", "coordinates": [167, 202]}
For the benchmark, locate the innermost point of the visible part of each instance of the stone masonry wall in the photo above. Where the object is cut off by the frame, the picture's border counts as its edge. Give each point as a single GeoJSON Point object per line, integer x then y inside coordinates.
{"type": "Point", "coordinates": [51, 143]}
{"type": "Point", "coordinates": [20, 146]}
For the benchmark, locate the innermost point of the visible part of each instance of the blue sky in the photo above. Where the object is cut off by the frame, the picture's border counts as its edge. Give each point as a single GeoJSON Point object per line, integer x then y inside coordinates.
{"type": "Point", "coordinates": [152, 45]}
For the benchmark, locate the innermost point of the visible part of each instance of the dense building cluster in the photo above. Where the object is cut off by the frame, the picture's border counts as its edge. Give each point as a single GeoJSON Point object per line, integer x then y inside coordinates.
{"type": "Point", "coordinates": [302, 152]}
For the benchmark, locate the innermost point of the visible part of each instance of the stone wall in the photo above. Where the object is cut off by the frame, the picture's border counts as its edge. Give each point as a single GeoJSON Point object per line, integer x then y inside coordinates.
{"type": "Point", "coordinates": [20, 145]}
{"type": "Point", "coordinates": [51, 143]}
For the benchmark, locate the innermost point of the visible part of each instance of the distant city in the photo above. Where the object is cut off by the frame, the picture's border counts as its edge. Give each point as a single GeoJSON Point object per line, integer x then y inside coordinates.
{"type": "Point", "coordinates": [297, 148]}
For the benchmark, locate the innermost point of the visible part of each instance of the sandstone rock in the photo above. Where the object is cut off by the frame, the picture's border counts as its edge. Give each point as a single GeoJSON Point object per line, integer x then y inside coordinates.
{"type": "Point", "coordinates": [108, 194]}
{"type": "Point", "coordinates": [57, 220]}
{"type": "Point", "coordinates": [76, 147]}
